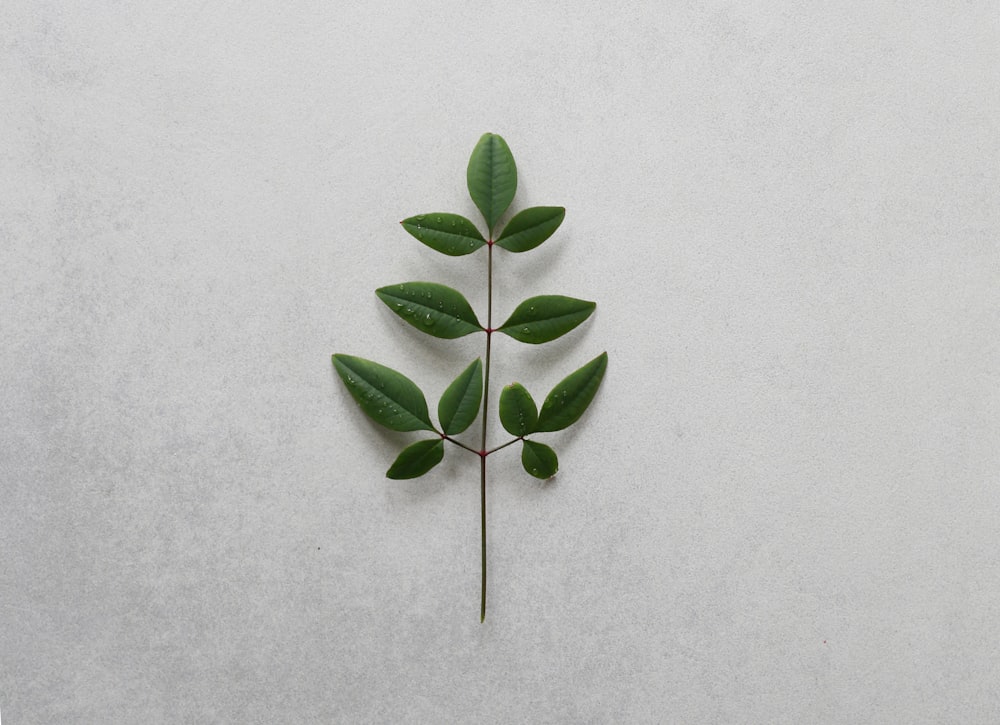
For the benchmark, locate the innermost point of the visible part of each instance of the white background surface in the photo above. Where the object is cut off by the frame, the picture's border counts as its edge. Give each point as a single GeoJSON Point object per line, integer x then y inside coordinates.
{"type": "Point", "coordinates": [783, 504]}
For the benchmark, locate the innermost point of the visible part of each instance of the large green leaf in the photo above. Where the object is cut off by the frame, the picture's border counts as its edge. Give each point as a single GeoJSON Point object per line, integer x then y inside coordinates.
{"type": "Point", "coordinates": [567, 401]}
{"type": "Point", "coordinates": [492, 177]}
{"type": "Point", "coordinates": [539, 460]}
{"type": "Point", "coordinates": [433, 308]}
{"type": "Point", "coordinates": [386, 396]}
{"type": "Point", "coordinates": [459, 404]}
{"type": "Point", "coordinates": [447, 233]}
{"type": "Point", "coordinates": [518, 412]}
{"type": "Point", "coordinates": [530, 227]}
{"type": "Point", "coordinates": [417, 459]}
{"type": "Point", "coordinates": [540, 319]}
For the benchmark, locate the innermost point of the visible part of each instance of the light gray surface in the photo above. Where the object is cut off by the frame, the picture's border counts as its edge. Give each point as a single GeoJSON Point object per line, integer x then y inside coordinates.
{"type": "Point", "coordinates": [783, 505]}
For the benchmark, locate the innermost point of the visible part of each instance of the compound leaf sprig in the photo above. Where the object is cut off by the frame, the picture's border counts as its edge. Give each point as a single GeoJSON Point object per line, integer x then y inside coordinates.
{"type": "Point", "coordinates": [393, 400]}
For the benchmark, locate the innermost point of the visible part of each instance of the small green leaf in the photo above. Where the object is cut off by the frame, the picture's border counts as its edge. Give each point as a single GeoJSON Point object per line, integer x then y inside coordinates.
{"type": "Point", "coordinates": [539, 460]}
{"type": "Point", "coordinates": [492, 177]}
{"type": "Point", "coordinates": [567, 401]}
{"type": "Point", "coordinates": [518, 412]}
{"type": "Point", "coordinates": [459, 404]}
{"type": "Point", "coordinates": [417, 459]}
{"type": "Point", "coordinates": [432, 308]}
{"type": "Point", "coordinates": [531, 227]}
{"type": "Point", "coordinates": [447, 233]}
{"type": "Point", "coordinates": [386, 396]}
{"type": "Point", "coordinates": [541, 319]}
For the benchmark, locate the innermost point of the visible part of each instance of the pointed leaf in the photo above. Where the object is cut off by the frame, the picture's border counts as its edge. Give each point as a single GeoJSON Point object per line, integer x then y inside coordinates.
{"type": "Point", "coordinates": [541, 319]}
{"type": "Point", "coordinates": [539, 460]}
{"type": "Point", "coordinates": [432, 308]}
{"type": "Point", "coordinates": [417, 459]}
{"type": "Point", "coordinates": [531, 227]}
{"type": "Point", "coordinates": [567, 401]}
{"type": "Point", "coordinates": [447, 233]}
{"type": "Point", "coordinates": [459, 404]}
{"type": "Point", "coordinates": [518, 412]}
{"type": "Point", "coordinates": [386, 396]}
{"type": "Point", "coordinates": [492, 177]}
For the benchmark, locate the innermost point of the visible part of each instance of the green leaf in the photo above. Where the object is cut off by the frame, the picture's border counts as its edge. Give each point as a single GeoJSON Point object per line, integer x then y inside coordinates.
{"type": "Point", "coordinates": [417, 459]}
{"type": "Point", "coordinates": [531, 227]}
{"type": "Point", "coordinates": [541, 319]}
{"type": "Point", "coordinates": [459, 404]}
{"type": "Point", "coordinates": [567, 401]}
{"type": "Point", "coordinates": [518, 412]}
{"type": "Point", "coordinates": [432, 308]}
{"type": "Point", "coordinates": [447, 233]}
{"type": "Point", "coordinates": [386, 396]}
{"type": "Point", "coordinates": [492, 177]}
{"type": "Point", "coordinates": [539, 460]}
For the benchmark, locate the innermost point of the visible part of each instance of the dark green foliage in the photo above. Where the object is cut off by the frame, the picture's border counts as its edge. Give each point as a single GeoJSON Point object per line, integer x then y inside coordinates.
{"type": "Point", "coordinates": [394, 401]}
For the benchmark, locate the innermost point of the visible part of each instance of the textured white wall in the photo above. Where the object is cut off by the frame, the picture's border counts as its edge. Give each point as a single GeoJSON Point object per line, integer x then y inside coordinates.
{"type": "Point", "coordinates": [783, 505]}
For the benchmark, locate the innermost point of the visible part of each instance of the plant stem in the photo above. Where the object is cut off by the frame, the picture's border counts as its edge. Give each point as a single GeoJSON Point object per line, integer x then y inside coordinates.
{"type": "Point", "coordinates": [482, 492]}
{"type": "Point", "coordinates": [486, 398]}
{"type": "Point", "coordinates": [508, 443]}
{"type": "Point", "coordinates": [459, 444]}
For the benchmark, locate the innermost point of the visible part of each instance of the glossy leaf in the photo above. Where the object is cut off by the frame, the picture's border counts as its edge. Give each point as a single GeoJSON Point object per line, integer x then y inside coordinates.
{"type": "Point", "coordinates": [539, 460]}
{"type": "Point", "coordinates": [541, 319]}
{"type": "Point", "coordinates": [518, 412]}
{"type": "Point", "coordinates": [567, 401]}
{"type": "Point", "coordinates": [492, 177]}
{"type": "Point", "coordinates": [459, 404]}
{"type": "Point", "coordinates": [386, 396]}
{"type": "Point", "coordinates": [531, 227]}
{"type": "Point", "coordinates": [447, 233]}
{"type": "Point", "coordinates": [432, 308]}
{"type": "Point", "coordinates": [417, 459]}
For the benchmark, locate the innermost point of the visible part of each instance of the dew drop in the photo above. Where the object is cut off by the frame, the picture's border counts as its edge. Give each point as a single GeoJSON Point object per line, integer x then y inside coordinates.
{"type": "Point", "coordinates": [420, 217]}
{"type": "Point", "coordinates": [471, 245]}
{"type": "Point", "coordinates": [402, 287]}
{"type": "Point", "coordinates": [526, 330]}
{"type": "Point", "coordinates": [428, 321]}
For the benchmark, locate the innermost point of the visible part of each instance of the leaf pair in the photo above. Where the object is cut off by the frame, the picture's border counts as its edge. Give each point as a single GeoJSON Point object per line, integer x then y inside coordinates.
{"type": "Point", "coordinates": [444, 312]}
{"type": "Point", "coordinates": [563, 406]}
{"type": "Point", "coordinates": [454, 235]}
{"type": "Point", "coordinates": [393, 400]}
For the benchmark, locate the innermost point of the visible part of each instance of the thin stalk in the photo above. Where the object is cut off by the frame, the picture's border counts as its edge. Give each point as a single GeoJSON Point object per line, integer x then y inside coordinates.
{"type": "Point", "coordinates": [486, 398]}
{"type": "Point", "coordinates": [508, 443]}
{"type": "Point", "coordinates": [482, 492]}
{"type": "Point", "coordinates": [459, 444]}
